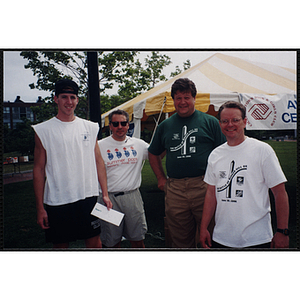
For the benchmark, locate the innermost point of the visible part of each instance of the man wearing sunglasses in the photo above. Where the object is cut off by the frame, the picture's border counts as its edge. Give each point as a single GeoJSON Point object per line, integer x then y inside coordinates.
{"type": "Point", "coordinates": [123, 157]}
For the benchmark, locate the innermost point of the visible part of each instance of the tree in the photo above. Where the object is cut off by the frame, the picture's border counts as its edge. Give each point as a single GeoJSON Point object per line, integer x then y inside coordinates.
{"type": "Point", "coordinates": [138, 81]}
{"type": "Point", "coordinates": [155, 65]}
{"type": "Point", "coordinates": [109, 102]}
{"type": "Point", "coordinates": [186, 65]}
{"type": "Point", "coordinates": [115, 67]}
{"type": "Point", "coordinates": [51, 66]}
{"type": "Point", "coordinates": [121, 68]}
{"type": "Point", "coordinates": [46, 111]}
{"type": "Point", "coordinates": [20, 139]}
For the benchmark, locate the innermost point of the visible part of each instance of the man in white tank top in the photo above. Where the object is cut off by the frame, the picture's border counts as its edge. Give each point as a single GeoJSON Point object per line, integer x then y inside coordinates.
{"type": "Point", "coordinates": [68, 156]}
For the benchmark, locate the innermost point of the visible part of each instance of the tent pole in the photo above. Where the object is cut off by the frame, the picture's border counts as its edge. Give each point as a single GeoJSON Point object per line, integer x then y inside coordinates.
{"type": "Point", "coordinates": [158, 118]}
{"type": "Point", "coordinates": [156, 125]}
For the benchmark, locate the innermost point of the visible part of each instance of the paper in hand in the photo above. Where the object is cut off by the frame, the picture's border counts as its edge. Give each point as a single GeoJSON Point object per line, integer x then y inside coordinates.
{"type": "Point", "coordinates": [112, 216]}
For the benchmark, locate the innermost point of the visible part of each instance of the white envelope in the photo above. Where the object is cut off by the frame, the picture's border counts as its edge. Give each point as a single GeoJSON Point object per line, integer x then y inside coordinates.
{"type": "Point", "coordinates": [112, 216]}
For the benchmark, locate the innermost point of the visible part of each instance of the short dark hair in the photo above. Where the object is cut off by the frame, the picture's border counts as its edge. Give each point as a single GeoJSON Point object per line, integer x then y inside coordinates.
{"type": "Point", "coordinates": [233, 104]}
{"type": "Point", "coordinates": [183, 85]}
{"type": "Point", "coordinates": [118, 112]}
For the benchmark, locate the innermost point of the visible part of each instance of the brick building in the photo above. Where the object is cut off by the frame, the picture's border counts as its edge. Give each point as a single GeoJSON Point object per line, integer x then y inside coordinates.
{"type": "Point", "coordinates": [14, 112]}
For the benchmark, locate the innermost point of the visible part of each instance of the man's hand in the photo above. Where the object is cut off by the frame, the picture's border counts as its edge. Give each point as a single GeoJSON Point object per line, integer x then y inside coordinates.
{"type": "Point", "coordinates": [280, 241]}
{"type": "Point", "coordinates": [205, 239]}
{"type": "Point", "coordinates": [107, 202]}
{"type": "Point", "coordinates": [161, 183]}
{"type": "Point", "coordinates": [42, 219]}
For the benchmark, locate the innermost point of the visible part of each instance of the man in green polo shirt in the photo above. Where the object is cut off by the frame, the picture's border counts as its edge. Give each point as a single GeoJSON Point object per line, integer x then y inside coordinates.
{"type": "Point", "coordinates": [187, 137]}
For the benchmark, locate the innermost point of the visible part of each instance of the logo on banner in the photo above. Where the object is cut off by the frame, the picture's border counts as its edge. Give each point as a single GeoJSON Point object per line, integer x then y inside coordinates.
{"type": "Point", "coordinates": [130, 131]}
{"type": "Point", "coordinates": [261, 109]}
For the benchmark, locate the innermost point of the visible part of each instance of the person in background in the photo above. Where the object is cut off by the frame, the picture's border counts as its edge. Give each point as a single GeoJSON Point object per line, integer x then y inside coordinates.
{"type": "Point", "coordinates": [123, 157]}
{"type": "Point", "coordinates": [67, 155]}
{"type": "Point", "coordinates": [239, 176]}
{"type": "Point", "coordinates": [187, 138]}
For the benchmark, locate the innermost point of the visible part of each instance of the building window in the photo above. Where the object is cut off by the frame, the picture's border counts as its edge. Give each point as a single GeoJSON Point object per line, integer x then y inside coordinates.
{"type": "Point", "coordinates": [6, 114]}
{"type": "Point", "coordinates": [22, 113]}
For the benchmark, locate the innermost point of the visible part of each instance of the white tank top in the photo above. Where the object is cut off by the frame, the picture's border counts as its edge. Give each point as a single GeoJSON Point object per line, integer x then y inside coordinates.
{"type": "Point", "coordinates": [71, 172]}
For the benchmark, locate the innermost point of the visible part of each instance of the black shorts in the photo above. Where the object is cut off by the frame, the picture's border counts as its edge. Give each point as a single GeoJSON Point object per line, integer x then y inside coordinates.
{"type": "Point", "coordinates": [71, 222]}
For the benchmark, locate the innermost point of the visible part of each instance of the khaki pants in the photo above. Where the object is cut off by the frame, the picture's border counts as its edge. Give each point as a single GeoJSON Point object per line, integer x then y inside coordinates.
{"type": "Point", "coordinates": [184, 201]}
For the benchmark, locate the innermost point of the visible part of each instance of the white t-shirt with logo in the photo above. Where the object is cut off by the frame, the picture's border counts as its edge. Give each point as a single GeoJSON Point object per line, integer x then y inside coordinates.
{"type": "Point", "coordinates": [71, 172]}
{"type": "Point", "coordinates": [242, 176]}
{"type": "Point", "coordinates": [123, 161]}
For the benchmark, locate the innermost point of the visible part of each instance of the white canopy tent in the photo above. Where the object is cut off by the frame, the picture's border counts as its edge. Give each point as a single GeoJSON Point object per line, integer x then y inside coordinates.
{"type": "Point", "coordinates": [267, 91]}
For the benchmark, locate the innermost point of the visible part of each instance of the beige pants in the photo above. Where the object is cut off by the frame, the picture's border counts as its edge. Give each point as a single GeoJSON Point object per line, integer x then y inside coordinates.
{"type": "Point", "coordinates": [184, 201]}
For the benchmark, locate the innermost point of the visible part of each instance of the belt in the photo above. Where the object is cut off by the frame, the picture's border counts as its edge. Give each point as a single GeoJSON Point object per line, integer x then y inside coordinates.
{"type": "Point", "coordinates": [124, 193]}
{"type": "Point", "coordinates": [200, 177]}
{"type": "Point", "coordinates": [119, 194]}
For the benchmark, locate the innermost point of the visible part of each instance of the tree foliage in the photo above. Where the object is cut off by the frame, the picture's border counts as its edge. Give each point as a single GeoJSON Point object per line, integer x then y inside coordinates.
{"type": "Point", "coordinates": [116, 68]}
{"type": "Point", "coordinates": [186, 65]}
{"type": "Point", "coordinates": [121, 68]}
{"type": "Point", "coordinates": [49, 67]}
{"type": "Point", "coordinates": [20, 139]}
{"type": "Point", "coordinates": [154, 66]}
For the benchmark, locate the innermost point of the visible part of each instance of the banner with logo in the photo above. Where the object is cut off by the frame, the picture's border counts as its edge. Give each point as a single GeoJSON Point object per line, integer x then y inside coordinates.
{"type": "Point", "coordinates": [134, 128]}
{"type": "Point", "coordinates": [274, 112]}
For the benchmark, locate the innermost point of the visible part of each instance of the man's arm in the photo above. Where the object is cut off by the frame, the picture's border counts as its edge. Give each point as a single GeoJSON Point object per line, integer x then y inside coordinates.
{"type": "Point", "coordinates": [210, 204]}
{"type": "Point", "coordinates": [39, 182]}
{"type": "Point", "coordinates": [156, 165]}
{"type": "Point", "coordinates": [101, 171]}
{"type": "Point", "coordinates": [282, 213]}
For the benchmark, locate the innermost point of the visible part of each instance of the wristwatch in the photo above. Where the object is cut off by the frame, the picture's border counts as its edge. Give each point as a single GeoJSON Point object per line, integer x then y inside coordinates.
{"type": "Point", "coordinates": [284, 231]}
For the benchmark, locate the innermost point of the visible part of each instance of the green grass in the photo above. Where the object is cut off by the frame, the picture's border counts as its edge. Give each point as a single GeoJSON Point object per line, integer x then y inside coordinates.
{"type": "Point", "coordinates": [22, 232]}
{"type": "Point", "coordinates": [287, 156]}
{"type": "Point", "coordinates": [15, 168]}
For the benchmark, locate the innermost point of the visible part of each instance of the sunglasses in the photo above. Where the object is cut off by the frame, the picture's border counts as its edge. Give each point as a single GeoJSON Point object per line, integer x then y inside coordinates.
{"type": "Point", "coordinates": [116, 124]}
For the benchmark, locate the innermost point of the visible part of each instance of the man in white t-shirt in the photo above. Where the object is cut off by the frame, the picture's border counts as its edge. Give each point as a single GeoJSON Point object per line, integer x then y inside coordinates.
{"type": "Point", "coordinates": [67, 168]}
{"type": "Point", "coordinates": [239, 175]}
{"type": "Point", "coordinates": [123, 157]}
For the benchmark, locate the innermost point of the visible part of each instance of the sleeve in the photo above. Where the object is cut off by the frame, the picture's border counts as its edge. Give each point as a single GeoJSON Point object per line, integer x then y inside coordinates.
{"type": "Point", "coordinates": [144, 146]}
{"type": "Point", "coordinates": [101, 147]}
{"type": "Point", "coordinates": [209, 176]}
{"type": "Point", "coordinates": [219, 136]}
{"type": "Point", "coordinates": [156, 147]}
{"type": "Point", "coordinates": [271, 168]}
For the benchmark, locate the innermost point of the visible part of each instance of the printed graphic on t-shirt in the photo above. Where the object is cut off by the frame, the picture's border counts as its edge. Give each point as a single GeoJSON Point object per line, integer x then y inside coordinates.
{"type": "Point", "coordinates": [234, 179]}
{"type": "Point", "coordinates": [85, 136]}
{"type": "Point", "coordinates": [186, 142]}
{"type": "Point", "coordinates": [119, 156]}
